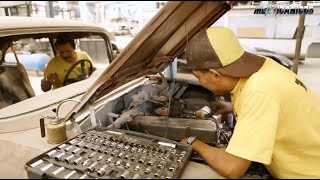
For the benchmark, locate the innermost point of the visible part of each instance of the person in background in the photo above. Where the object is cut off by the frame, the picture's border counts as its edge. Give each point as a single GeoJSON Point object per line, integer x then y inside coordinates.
{"type": "Point", "coordinates": [277, 115]}
{"type": "Point", "coordinates": [57, 68]}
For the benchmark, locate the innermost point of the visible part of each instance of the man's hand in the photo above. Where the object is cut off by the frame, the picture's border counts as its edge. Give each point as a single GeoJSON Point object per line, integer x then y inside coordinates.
{"type": "Point", "coordinates": [184, 141]}
{"type": "Point", "coordinates": [221, 107]}
{"type": "Point", "coordinates": [45, 85]}
{"type": "Point", "coordinates": [53, 79]}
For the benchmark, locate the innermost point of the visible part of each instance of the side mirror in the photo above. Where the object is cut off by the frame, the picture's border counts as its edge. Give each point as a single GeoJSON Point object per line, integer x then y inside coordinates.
{"type": "Point", "coordinates": [115, 50]}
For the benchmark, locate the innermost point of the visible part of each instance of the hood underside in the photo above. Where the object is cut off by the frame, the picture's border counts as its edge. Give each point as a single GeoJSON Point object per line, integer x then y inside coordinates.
{"type": "Point", "coordinates": [157, 44]}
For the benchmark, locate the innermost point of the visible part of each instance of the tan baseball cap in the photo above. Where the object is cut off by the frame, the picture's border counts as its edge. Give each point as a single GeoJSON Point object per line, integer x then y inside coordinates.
{"type": "Point", "coordinates": [218, 48]}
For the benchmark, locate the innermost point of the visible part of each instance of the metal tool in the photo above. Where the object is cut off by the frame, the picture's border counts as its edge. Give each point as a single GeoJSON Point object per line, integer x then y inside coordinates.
{"type": "Point", "coordinates": [45, 168]}
{"type": "Point", "coordinates": [59, 156]}
{"type": "Point", "coordinates": [50, 154]}
{"type": "Point", "coordinates": [37, 163]}
{"type": "Point", "coordinates": [56, 172]}
{"type": "Point", "coordinates": [109, 160]}
{"type": "Point", "coordinates": [158, 173]}
{"type": "Point", "coordinates": [67, 159]}
{"type": "Point", "coordinates": [102, 170]}
{"type": "Point", "coordinates": [92, 167]}
{"type": "Point", "coordinates": [75, 151]}
{"type": "Point", "coordinates": [125, 174]}
{"type": "Point", "coordinates": [70, 174]}
{"type": "Point", "coordinates": [68, 148]}
{"type": "Point", "coordinates": [77, 161]}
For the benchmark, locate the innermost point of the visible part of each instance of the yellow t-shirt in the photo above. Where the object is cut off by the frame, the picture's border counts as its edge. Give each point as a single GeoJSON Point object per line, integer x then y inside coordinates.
{"type": "Point", "coordinates": [278, 123]}
{"type": "Point", "coordinates": [60, 66]}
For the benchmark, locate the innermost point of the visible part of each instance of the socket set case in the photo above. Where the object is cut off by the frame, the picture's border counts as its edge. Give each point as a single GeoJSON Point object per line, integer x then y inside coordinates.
{"type": "Point", "coordinates": [111, 154]}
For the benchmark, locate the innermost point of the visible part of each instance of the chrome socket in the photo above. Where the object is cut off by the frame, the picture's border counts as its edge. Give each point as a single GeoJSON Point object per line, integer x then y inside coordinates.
{"type": "Point", "coordinates": [87, 146]}
{"type": "Point", "coordinates": [70, 174]}
{"type": "Point", "coordinates": [147, 171]}
{"type": "Point", "coordinates": [151, 162]}
{"type": "Point", "coordinates": [92, 154]}
{"type": "Point", "coordinates": [126, 147]}
{"type": "Point", "coordinates": [68, 159]}
{"type": "Point", "coordinates": [102, 170]}
{"type": "Point", "coordinates": [120, 155]}
{"type": "Point", "coordinates": [86, 162]}
{"type": "Point", "coordinates": [173, 151]}
{"type": "Point", "coordinates": [115, 152]}
{"type": "Point", "coordinates": [113, 144]}
{"type": "Point", "coordinates": [136, 176]}
{"type": "Point", "coordinates": [106, 142]}
{"type": "Point", "coordinates": [166, 156]}
{"type": "Point", "coordinates": [37, 163]}
{"type": "Point", "coordinates": [56, 172]}
{"type": "Point", "coordinates": [45, 168]}
{"type": "Point", "coordinates": [127, 156]}
{"type": "Point", "coordinates": [137, 168]}
{"type": "Point", "coordinates": [133, 149]}
{"type": "Point", "coordinates": [133, 158]}
{"type": "Point", "coordinates": [95, 147]}
{"type": "Point", "coordinates": [162, 165]}
{"type": "Point", "coordinates": [109, 160]}
{"type": "Point", "coordinates": [120, 146]}
{"type": "Point", "coordinates": [68, 148]}
{"type": "Point", "coordinates": [59, 156]}
{"type": "Point", "coordinates": [73, 141]}
{"type": "Point", "coordinates": [92, 167]}
{"type": "Point", "coordinates": [102, 149]}
{"type": "Point", "coordinates": [77, 161]}
{"type": "Point", "coordinates": [142, 160]}
{"type": "Point", "coordinates": [127, 166]}
{"type": "Point", "coordinates": [158, 173]}
{"type": "Point", "coordinates": [108, 151]}
{"type": "Point", "coordinates": [118, 163]}
{"type": "Point", "coordinates": [172, 168]}
{"type": "Point", "coordinates": [62, 146]}
{"type": "Point", "coordinates": [81, 144]}
{"type": "Point", "coordinates": [183, 153]}
{"type": "Point", "coordinates": [125, 174]}
{"type": "Point", "coordinates": [75, 151]}
{"type": "Point", "coordinates": [50, 154]}
{"type": "Point", "coordinates": [85, 176]}
{"type": "Point", "coordinates": [180, 159]}
{"type": "Point", "coordinates": [100, 157]}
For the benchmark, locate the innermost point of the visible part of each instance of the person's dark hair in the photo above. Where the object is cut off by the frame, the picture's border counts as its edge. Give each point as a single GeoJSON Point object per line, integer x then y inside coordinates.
{"type": "Point", "coordinates": [64, 39]}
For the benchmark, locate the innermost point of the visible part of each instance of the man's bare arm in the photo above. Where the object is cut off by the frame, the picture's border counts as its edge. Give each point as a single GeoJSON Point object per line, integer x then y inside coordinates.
{"type": "Point", "coordinates": [224, 163]}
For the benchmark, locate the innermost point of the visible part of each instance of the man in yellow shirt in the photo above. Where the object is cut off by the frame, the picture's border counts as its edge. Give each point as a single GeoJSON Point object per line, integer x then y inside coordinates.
{"type": "Point", "coordinates": [55, 72]}
{"type": "Point", "coordinates": [277, 116]}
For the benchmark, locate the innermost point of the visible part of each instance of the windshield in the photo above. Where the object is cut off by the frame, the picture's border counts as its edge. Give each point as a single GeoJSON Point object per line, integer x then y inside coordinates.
{"type": "Point", "coordinates": [26, 63]}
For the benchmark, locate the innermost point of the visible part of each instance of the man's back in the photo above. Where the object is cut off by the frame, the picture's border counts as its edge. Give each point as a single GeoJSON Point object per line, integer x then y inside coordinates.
{"type": "Point", "coordinates": [286, 124]}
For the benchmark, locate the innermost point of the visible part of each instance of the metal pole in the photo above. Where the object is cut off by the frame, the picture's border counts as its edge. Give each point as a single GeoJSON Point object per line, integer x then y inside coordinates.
{"type": "Point", "coordinates": [49, 9]}
{"type": "Point", "coordinates": [28, 4]}
{"type": "Point", "coordinates": [299, 40]}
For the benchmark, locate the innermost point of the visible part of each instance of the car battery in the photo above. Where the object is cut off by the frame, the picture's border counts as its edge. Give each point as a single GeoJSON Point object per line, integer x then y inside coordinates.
{"type": "Point", "coordinates": [103, 153]}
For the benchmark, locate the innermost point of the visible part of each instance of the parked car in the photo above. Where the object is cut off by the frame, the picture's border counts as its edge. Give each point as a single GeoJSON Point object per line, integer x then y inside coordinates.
{"type": "Point", "coordinates": [130, 94]}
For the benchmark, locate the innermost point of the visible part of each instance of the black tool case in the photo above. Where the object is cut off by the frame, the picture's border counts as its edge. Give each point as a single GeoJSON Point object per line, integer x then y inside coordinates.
{"type": "Point", "coordinates": [111, 154]}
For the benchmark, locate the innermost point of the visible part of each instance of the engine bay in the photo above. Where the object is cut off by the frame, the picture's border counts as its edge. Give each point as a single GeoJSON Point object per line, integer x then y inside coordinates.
{"type": "Point", "coordinates": [163, 108]}
{"type": "Point", "coordinates": [170, 109]}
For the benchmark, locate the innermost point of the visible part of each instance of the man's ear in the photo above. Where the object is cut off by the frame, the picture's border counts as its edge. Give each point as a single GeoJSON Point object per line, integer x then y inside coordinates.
{"type": "Point", "coordinates": [214, 73]}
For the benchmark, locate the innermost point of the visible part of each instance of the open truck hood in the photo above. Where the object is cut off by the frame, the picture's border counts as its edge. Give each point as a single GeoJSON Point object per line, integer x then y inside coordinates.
{"type": "Point", "coordinates": [157, 44]}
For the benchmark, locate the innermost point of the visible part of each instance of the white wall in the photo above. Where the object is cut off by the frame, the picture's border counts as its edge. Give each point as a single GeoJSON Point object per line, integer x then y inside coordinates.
{"type": "Point", "coordinates": [279, 26]}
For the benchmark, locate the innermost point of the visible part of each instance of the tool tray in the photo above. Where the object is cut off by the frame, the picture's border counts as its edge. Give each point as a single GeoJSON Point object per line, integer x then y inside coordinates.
{"type": "Point", "coordinates": [106, 153]}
